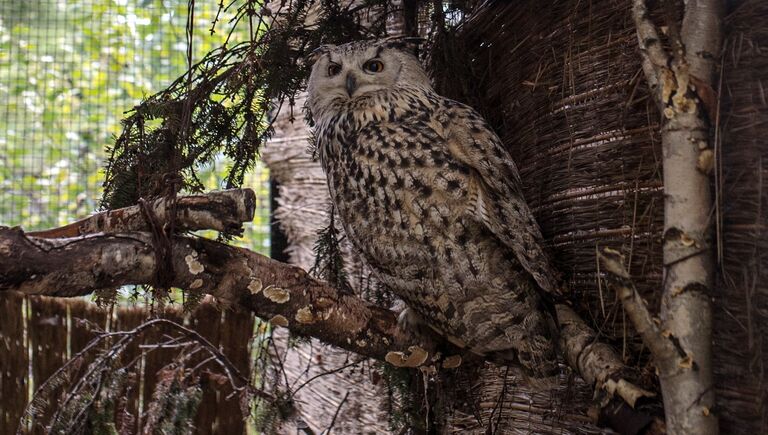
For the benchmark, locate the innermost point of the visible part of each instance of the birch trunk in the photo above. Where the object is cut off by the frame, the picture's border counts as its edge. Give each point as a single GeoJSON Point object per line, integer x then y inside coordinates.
{"type": "Point", "coordinates": [681, 80]}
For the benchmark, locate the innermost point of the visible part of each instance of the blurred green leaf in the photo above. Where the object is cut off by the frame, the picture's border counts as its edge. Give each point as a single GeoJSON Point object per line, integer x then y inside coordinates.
{"type": "Point", "coordinates": [68, 73]}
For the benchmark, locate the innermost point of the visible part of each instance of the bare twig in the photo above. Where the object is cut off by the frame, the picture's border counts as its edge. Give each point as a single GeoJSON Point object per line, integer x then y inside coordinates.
{"type": "Point", "coordinates": [326, 373]}
{"type": "Point", "coordinates": [336, 414]}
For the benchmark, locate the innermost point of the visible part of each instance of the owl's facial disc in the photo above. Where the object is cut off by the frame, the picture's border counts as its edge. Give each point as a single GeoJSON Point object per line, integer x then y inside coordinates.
{"type": "Point", "coordinates": [359, 70]}
{"type": "Point", "coordinates": [354, 76]}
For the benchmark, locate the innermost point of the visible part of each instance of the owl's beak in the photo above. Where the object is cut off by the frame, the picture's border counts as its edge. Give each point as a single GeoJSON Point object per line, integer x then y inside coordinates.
{"type": "Point", "coordinates": [351, 84]}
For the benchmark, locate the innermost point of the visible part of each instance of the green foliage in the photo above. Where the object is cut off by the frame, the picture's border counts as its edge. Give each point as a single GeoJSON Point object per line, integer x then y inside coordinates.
{"type": "Point", "coordinates": [329, 259]}
{"type": "Point", "coordinates": [402, 406]}
{"type": "Point", "coordinates": [175, 403]}
{"type": "Point", "coordinates": [268, 415]}
{"type": "Point", "coordinates": [68, 73]}
{"type": "Point", "coordinates": [222, 104]}
{"type": "Point", "coordinates": [90, 409]}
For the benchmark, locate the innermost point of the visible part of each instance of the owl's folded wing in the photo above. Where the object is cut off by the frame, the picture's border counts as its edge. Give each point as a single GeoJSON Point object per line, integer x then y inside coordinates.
{"type": "Point", "coordinates": [498, 199]}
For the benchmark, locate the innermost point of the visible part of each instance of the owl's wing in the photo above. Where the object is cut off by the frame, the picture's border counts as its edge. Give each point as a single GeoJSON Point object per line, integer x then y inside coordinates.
{"type": "Point", "coordinates": [496, 193]}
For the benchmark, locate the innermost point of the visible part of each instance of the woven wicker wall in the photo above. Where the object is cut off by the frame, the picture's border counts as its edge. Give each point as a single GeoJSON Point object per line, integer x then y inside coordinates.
{"type": "Point", "coordinates": [741, 300]}
{"type": "Point", "coordinates": [561, 81]}
{"type": "Point", "coordinates": [303, 205]}
{"type": "Point", "coordinates": [562, 84]}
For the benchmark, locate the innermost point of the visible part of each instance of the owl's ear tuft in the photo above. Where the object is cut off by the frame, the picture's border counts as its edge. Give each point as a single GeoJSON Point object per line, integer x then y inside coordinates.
{"type": "Point", "coordinates": [318, 53]}
{"type": "Point", "coordinates": [408, 44]}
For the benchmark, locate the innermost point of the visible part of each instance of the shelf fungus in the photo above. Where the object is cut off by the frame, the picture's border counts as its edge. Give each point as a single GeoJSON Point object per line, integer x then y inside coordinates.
{"type": "Point", "coordinates": [277, 294]}
{"type": "Point", "coordinates": [452, 362]}
{"type": "Point", "coordinates": [415, 357]}
{"type": "Point", "coordinates": [193, 264]}
{"type": "Point", "coordinates": [279, 320]}
{"type": "Point", "coordinates": [254, 286]}
{"type": "Point", "coordinates": [304, 315]}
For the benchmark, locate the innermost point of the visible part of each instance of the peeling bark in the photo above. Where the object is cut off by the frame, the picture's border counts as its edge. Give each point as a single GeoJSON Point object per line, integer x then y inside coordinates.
{"type": "Point", "coordinates": [284, 295]}
{"type": "Point", "coordinates": [596, 362]}
{"type": "Point", "coordinates": [681, 82]}
{"type": "Point", "coordinates": [235, 276]}
{"type": "Point", "coordinates": [224, 211]}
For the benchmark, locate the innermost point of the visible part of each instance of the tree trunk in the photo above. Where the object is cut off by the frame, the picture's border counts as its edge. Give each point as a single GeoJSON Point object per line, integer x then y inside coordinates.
{"type": "Point", "coordinates": [681, 82]}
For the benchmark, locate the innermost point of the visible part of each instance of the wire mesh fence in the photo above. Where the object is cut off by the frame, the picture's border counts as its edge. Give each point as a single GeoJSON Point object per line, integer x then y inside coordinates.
{"type": "Point", "coordinates": [69, 70]}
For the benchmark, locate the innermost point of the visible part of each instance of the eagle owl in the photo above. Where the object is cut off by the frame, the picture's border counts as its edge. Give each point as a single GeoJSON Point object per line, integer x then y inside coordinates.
{"type": "Point", "coordinates": [429, 197]}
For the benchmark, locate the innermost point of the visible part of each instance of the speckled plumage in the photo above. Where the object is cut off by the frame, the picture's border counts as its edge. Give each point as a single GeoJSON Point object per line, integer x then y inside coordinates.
{"type": "Point", "coordinates": [432, 201]}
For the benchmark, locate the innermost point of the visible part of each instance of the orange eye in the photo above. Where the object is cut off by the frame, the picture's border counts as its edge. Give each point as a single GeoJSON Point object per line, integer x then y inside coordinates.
{"type": "Point", "coordinates": [374, 66]}
{"type": "Point", "coordinates": [333, 69]}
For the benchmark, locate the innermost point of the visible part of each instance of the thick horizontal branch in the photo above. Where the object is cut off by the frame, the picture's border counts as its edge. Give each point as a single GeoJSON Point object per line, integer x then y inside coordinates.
{"type": "Point", "coordinates": [283, 294]}
{"type": "Point", "coordinates": [224, 211]}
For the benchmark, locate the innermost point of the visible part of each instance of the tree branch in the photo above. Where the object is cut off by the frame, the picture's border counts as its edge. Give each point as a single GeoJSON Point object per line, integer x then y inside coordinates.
{"type": "Point", "coordinates": [224, 211]}
{"type": "Point", "coordinates": [648, 36]}
{"type": "Point", "coordinates": [596, 362]}
{"type": "Point", "coordinates": [285, 295]}
{"type": "Point", "coordinates": [618, 279]}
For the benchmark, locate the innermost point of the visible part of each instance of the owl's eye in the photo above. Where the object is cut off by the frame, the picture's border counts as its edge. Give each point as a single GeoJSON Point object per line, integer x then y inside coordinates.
{"type": "Point", "coordinates": [373, 66]}
{"type": "Point", "coordinates": [333, 69]}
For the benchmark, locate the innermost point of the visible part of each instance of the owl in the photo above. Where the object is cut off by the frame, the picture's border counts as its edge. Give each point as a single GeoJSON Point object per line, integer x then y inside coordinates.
{"type": "Point", "coordinates": [431, 200]}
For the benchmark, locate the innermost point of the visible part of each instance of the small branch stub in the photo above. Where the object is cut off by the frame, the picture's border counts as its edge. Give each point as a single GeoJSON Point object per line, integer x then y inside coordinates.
{"type": "Point", "coordinates": [659, 343]}
{"type": "Point", "coordinates": [596, 362]}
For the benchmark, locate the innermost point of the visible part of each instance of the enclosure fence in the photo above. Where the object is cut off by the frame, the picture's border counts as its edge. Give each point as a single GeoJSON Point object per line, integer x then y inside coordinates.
{"type": "Point", "coordinates": [69, 71]}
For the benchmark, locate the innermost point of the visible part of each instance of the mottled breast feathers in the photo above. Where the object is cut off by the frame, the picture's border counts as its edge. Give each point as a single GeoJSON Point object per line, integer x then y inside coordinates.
{"type": "Point", "coordinates": [432, 201]}
{"type": "Point", "coordinates": [458, 137]}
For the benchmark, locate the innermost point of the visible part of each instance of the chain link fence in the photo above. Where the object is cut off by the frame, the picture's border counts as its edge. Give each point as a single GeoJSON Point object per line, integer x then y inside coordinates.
{"type": "Point", "coordinates": [69, 70]}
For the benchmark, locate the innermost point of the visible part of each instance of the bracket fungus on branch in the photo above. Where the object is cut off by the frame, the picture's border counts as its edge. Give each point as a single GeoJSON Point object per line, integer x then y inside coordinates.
{"type": "Point", "coordinates": [80, 265]}
{"type": "Point", "coordinates": [282, 294]}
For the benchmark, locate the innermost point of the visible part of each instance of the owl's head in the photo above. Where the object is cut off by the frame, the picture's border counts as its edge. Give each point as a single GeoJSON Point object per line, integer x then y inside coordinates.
{"type": "Point", "coordinates": [361, 68]}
